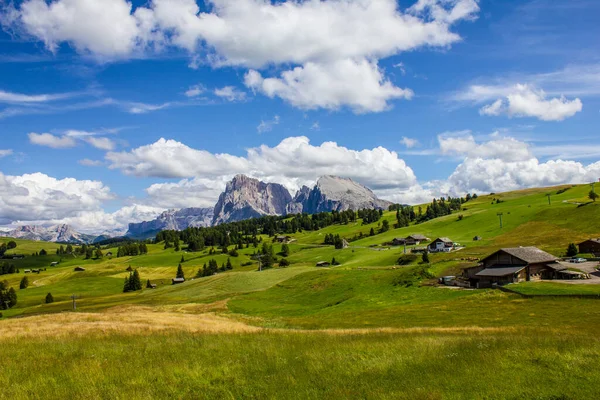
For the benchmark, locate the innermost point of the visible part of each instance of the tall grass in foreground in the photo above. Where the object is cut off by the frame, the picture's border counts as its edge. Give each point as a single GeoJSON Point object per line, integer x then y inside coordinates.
{"type": "Point", "coordinates": [292, 365]}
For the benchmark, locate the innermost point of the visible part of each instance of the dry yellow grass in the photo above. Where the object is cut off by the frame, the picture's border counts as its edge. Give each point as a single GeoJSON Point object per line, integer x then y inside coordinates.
{"type": "Point", "coordinates": [188, 318]}
{"type": "Point", "coordinates": [124, 320]}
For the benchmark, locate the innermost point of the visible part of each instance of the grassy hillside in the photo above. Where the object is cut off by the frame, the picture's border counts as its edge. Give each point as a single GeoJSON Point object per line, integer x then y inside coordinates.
{"type": "Point", "coordinates": [365, 328]}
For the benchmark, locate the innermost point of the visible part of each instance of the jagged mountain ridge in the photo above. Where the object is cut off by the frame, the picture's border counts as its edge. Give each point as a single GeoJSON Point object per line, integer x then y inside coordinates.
{"type": "Point", "coordinates": [57, 233]}
{"type": "Point", "coordinates": [173, 220]}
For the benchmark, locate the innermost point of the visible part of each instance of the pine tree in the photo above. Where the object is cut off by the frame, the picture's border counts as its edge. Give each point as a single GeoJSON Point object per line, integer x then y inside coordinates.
{"type": "Point", "coordinates": [24, 283]}
{"type": "Point", "coordinates": [136, 282]}
{"type": "Point", "coordinates": [49, 298]}
{"type": "Point", "coordinates": [285, 250]}
{"type": "Point", "coordinates": [99, 253]}
{"type": "Point", "coordinates": [148, 284]}
{"type": "Point", "coordinates": [425, 257]}
{"type": "Point", "coordinates": [372, 232]}
{"type": "Point", "coordinates": [180, 273]}
{"type": "Point", "coordinates": [228, 265]}
{"type": "Point", "coordinates": [572, 250]}
{"type": "Point", "coordinates": [593, 195]}
{"type": "Point", "coordinates": [182, 259]}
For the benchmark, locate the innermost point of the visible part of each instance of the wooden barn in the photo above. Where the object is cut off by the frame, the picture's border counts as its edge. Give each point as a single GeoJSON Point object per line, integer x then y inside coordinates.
{"type": "Point", "coordinates": [176, 281]}
{"type": "Point", "coordinates": [590, 246]}
{"type": "Point", "coordinates": [416, 239]}
{"type": "Point", "coordinates": [323, 264]}
{"type": "Point", "coordinates": [512, 265]}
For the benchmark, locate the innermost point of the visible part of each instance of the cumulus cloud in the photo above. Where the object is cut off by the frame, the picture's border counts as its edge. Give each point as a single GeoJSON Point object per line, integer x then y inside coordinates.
{"type": "Point", "coordinates": [257, 34]}
{"type": "Point", "coordinates": [520, 100]}
{"type": "Point", "coordinates": [40, 197]}
{"type": "Point", "coordinates": [361, 85]}
{"type": "Point", "coordinates": [5, 152]}
{"type": "Point", "coordinates": [505, 163]}
{"type": "Point", "coordinates": [525, 101]}
{"type": "Point", "coordinates": [50, 140]}
{"type": "Point", "coordinates": [197, 192]}
{"type": "Point", "coordinates": [230, 93]}
{"type": "Point", "coordinates": [409, 143]}
{"type": "Point", "coordinates": [267, 126]}
{"type": "Point", "coordinates": [293, 162]}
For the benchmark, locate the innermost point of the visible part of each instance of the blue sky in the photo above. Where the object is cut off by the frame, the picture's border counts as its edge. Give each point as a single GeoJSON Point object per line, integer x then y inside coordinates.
{"type": "Point", "coordinates": [413, 99]}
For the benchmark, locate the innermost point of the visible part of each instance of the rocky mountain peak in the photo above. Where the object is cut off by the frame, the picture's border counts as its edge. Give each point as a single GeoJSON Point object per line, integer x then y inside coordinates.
{"type": "Point", "coordinates": [246, 197]}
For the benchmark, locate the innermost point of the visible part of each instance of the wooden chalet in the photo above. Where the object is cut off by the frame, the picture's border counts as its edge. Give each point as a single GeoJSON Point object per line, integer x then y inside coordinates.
{"type": "Point", "coordinates": [323, 264]}
{"type": "Point", "coordinates": [415, 240]}
{"type": "Point", "coordinates": [79, 269]}
{"type": "Point", "coordinates": [440, 245]}
{"type": "Point", "coordinates": [176, 281]}
{"type": "Point", "coordinates": [590, 246]}
{"type": "Point", "coordinates": [512, 265]}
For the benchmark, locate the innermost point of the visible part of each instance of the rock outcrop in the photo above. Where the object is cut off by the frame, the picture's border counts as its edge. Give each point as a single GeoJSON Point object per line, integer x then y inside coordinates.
{"type": "Point", "coordinates": [246, 198]}
{"type": "Point", "coordinates": [335, 193]}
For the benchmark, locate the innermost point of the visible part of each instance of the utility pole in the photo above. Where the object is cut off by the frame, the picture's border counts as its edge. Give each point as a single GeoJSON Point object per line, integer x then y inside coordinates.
{"type": "Point", "coordinates": [74, 303]}
{"type": "Point", "coordinates": [500, 216]}
{"type": "Point", "coordinates": [549, 203]}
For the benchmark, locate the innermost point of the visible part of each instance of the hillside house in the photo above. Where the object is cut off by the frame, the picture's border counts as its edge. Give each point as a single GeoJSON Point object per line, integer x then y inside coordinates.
{"type": "Point", "coordinates": [415, 240]}
{"type": "Point", "coordinates": [54, 263]}
{"type": "Point", "coordinates": [590, 246]}
{"type": "Point", "coordinates": [440, 245]}
{"type": "Point", "coordinates": [323, 264]}
{"type": "Point", "coordinates": [109, 254]}
{"type": "Point", "coordinates": [176, 281]}
{"type": "Point", "coordinates": [398, 242]}
{"type": "Point", "coordinates": [283, 239]}
{"type": "Point", "coordinates": [79, 269]}
{"type": "Point", "coordinates": [512, 265]}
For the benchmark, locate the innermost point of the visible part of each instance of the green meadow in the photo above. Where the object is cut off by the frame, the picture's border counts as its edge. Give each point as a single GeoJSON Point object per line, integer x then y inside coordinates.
{"type": "Point", "coordinates": [368, 328]}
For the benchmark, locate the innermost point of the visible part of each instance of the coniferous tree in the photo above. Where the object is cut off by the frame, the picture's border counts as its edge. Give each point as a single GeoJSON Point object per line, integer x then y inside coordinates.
{"type": "Point", "coordinates": [425, 257]}
{"type": "Point", "coordinates": [49, 298]}
{"type": "Point", "coordinates": [180, 273]}
{"type": "Point", "coordinates": [285, 250]}
{"type": "Point", "coordinates": [228, 265]}
{"type": "Point", "coordinates": [148, 284]}
{"type": "Point", "coordinates": [99, 253]}
{"type": "Point", "coordinates": [24, 283]}
{"type": "Point", "coordinates": [182, 259]}
{"type": "Point", "coordinates": [136, 282]}
{"type": "Point", "coordinates": [572, 250]}
{"type": "Point", "coordinates": [43, 252]}
{"type": "Point", "coordinates": [593, 195]}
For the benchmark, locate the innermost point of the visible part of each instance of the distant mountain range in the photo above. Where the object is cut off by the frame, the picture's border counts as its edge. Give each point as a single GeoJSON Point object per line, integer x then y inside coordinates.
{"type": "Point", "coordinates": [242, 199]}
{"type": "Point", "coordinates": [246, 198]}
{"type": "Point", "coordinates": [56, 233]}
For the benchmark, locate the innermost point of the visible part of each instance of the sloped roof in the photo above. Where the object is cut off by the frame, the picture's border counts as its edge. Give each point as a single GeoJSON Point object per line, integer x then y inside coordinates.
{"type": "Point", "coordinates": [531, 255]}
{"type": "Point", "coordinates": [500, 271]}
{"type": "Point", "coordinates": [591, 240]}
{"type": "Point", "coordinates": [444, 239]}
{"type": "Point", "coordinates": [556, 266]}
{"type": "Point", "coordinates": [417, 237]}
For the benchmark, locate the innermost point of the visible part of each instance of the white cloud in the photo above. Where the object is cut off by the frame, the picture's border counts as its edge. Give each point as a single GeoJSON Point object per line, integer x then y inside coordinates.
{"type": "Point", "coordinates": [104, 29]}
{"type": "Point", "coordinates": [267, 126]}
{"type": "Point", "coordinates": [86, 162]}
{"type": "Point", "coordinates": [230, 93]}
{"type": "Point", "coordinates": [361, 85]}
{"type": "Point", "coordinates": [316, 37]}
{"type": "Point", "coordinates": [19, 98]}
{"type": "Point", "coordinates": [504, 148]}
{"type": "Point", "coordinates": [197, 192]}
{"type": "Point", "coordinates": [315, 126]}
{"type": "Point", "coordinates": [5, 153]}
{"type": "Point", "coordinates": [409, 143]}
{"type": "Point", "coordinates": [50, 140]}
{"type": "Point", "coordinates": [41, 197]}
{"type": "Point", "coordinates": [293, 162]}
{"type": "Point", "coordinates": [525, 101]}
{"type": "Point", "coordinates": [143, 108]}
{"type": "Point", "coordinates": [195, 90]}
{"type": "Point", "coordinates": [101, 143]}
